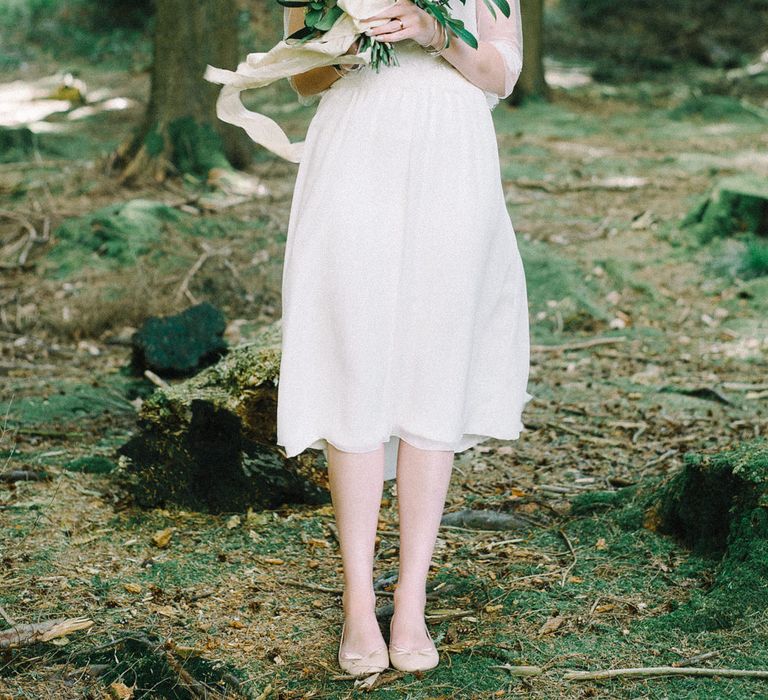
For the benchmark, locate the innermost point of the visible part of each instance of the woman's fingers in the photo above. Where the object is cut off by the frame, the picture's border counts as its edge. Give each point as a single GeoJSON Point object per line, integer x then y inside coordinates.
{"type": "Point", "coordinates": [395, 36]}
{"type": "Point", "coordinates": [387, 28]}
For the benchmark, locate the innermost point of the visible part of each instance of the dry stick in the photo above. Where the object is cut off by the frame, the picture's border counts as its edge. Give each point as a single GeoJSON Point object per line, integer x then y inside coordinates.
{"type": "Point", "coordinates": [521, 670]}
{"type": "Point", "coordinates": [692, 660]}
{"type": "Point", "coordinates": [660, 458]}
{"type": "Point", "coordinates": [338, 591]}
{"type": "Point", "coordinates": [579, 345]}
{"type": "Point", "coordinates": [207, 253]}
{"type": "Point", "coordinates": [567, 570]}
{"type": "Point", "coordinates": [7, 617]}
{"type": "Point", "coordinates": [662, 671]}
{"type": "Point", "coordinates": [155, 379]}
{"type": "Point", "coordinates": [21, 635]}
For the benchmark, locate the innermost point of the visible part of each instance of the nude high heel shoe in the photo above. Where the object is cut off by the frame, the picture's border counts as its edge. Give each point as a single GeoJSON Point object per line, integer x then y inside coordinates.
{"type": "Point", "coordinates": [362, 664]}
{"type": "Point", "coordinates": [410, 660]}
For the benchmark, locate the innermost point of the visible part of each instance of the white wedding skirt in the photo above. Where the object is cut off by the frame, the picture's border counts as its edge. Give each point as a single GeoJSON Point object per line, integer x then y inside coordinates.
{"type": "Point", "coordinates": [405, 313]}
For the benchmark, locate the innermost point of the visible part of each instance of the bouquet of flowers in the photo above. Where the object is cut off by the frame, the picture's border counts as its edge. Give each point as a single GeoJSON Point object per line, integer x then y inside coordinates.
{"type": "Point", "coordinates": [330, 29]}
{"type": "Point", "coordinates": [321, 15]}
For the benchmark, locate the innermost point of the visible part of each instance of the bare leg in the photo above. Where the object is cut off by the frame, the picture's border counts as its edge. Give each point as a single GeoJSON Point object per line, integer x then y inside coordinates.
{"type": "Point", "coordinates": [423, 477]}
{"type": "Point", "coordinates": [356, 481]}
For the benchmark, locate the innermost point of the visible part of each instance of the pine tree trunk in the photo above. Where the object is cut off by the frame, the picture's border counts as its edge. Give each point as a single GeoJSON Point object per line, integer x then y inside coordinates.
{"type": "Point", "coordinates": [181, 132]}
{"type": "Point", "coordinates": [531, 82]}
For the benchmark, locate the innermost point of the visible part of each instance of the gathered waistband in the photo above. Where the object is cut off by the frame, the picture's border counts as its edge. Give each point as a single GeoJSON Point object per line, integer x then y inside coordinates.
{"type": "Point", "coordinates": [416, 70]}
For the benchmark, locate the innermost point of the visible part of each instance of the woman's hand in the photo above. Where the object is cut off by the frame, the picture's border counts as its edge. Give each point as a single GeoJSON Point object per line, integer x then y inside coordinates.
{"type": "Point", "coordinates": [416, 24]}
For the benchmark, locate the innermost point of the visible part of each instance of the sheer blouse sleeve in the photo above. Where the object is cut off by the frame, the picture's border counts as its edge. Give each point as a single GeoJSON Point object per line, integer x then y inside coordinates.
{"type": "Point", "coordinates": [505, 34]}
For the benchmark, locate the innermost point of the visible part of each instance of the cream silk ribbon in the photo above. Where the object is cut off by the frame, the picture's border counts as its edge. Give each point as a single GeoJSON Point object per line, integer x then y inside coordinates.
{"type": "Point", "coordinates": [286, 59]}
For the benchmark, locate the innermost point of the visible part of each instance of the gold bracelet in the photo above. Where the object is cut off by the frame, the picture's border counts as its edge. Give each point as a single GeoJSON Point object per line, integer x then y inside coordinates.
{"type": "Point", "coordinates": [431, 41]}
{"type": "Point", "coordinates": [432, 51]}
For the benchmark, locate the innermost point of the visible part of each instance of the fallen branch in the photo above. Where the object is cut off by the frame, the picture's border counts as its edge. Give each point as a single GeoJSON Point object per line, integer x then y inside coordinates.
{"type": "Point", "coordinates": [579, 345]}
{"type": "Point", "coordinates": [471, 519]}
{"type": "Point", "coordinates": [521, 670]}
{"type": "Point", "coordinates": [207, 253]}
{"type": "Point", "coordinates": [23, 635]}
{"type": "Point", "coordinates": [662, 671]}
{"type": "Point", "coordinates": [14, 475]}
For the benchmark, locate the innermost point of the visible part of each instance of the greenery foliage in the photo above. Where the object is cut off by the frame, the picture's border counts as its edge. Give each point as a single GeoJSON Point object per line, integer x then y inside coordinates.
{"type": "Point", "coordinates": [111, 30]}
{"type": "Point", "coordinates": [644, 37]}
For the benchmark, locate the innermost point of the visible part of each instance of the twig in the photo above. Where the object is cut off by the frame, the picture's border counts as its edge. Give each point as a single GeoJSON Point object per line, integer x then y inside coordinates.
{"type": "Point", "coordinates": [521, 670]}
{"type": "Point", "coordinates": [207, 253]}
{"type": "Point", "coordinates": [326, 589]}
{"type": "Point", "coordinates": [23, 475]}
{"type": "Point", "coordinates": [155, 379]}
{"type": "Point", "coordinates": [660, 458]}
{"type": "Point", "coordinates": [697, 659]}
{"type": "Point", "coordinates": [662, 671]}
{"type": "Point", "coordinates": [7, 617]}
{"type": "Point", "coordinates": [573, 554]}
{"type": "Point", "coordinates": [579, 345]}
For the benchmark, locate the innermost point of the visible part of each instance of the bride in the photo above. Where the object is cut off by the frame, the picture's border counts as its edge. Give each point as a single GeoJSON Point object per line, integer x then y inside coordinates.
{"type": "Point", "coordinates": [405, 320]}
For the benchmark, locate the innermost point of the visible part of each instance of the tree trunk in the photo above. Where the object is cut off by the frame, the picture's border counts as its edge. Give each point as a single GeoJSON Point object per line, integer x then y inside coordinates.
{"type": "Point", "coordinates": [180, 132]}
{"type": "Point", "coordinates": [208, 443]}
{"type": "Point", "coordinates": [531, 82]}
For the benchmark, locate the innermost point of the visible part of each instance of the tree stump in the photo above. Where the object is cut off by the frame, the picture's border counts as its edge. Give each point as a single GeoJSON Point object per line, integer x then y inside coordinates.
{"type": "Point", "coordinates": [208, 443]}
{"type": "Point", "coordinates": [738, 205]}
{"type": "Point", "coordinates": [717, 506]}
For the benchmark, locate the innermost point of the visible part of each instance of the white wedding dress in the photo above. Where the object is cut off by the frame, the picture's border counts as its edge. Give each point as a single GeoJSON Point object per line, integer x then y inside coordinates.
{"type": "Point", "coordinates": [405, 313]}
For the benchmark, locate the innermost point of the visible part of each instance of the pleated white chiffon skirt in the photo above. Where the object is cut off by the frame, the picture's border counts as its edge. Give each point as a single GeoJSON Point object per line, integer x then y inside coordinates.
{"type": "Point", "coordinates": [405, 313]}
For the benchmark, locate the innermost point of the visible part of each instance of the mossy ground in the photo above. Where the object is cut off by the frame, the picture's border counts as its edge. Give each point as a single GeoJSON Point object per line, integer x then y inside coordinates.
{"type": "Point", "coordinates": [597, 184]}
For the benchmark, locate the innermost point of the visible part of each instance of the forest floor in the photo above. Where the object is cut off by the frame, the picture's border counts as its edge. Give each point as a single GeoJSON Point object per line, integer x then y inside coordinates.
{"type": "Point", "coordinates": [597, 182]}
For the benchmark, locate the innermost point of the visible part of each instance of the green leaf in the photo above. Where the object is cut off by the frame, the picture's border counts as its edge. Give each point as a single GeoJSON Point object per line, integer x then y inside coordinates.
{"type": "Point", "coordinates": [312, 17]}
{"type": "Point", "coordinates": [457, 26]}
{"type": "Point", "coordinates": [293, 3]}
{"type": "Point", "coordinates": [503, 6]}
{"type": "Point", "coordinates": [490, 7]}
{"type": "Point", "coordinates": [329, 19]}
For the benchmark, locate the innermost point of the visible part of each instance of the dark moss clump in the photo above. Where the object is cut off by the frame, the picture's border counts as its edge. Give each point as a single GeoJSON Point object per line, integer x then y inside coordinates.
{"type": "Point", "coordinates": [738, 206]}
{"type": "Point", "coordinates": [717, 506]}
{"type": "Point", "coordinates": [91, 464]}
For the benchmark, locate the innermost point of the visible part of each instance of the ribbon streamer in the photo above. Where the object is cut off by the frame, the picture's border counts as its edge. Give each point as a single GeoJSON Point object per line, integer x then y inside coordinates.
{"type": "Point", "coordinates": [284, 60]}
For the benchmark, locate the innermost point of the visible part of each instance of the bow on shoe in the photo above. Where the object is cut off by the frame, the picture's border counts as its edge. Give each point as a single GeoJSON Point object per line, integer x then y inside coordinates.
{"type": "Point", "coordinates": [353, 655]}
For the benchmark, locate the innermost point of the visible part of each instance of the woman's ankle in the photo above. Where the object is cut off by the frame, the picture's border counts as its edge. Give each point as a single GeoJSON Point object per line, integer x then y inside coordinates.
{"type": "Point", "coordinates": [355, 603]}
{"type": "Point", "coordinates": [410, 600]}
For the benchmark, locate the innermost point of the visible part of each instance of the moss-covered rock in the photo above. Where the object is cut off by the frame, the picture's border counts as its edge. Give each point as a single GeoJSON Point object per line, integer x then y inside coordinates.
{"type": "Point", "coordinates": [737, 206]}
{"type": "Point", "coordinates": [716, 505]}
{"type": "Point", "coordinates": [209, 443]}
{"type": "Point", "coordinates": [180, 344]}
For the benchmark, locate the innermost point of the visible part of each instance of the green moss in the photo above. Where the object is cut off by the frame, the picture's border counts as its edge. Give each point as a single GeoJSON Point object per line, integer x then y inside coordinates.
{"type": "Point", "coordinates": [557, 291]}
{"type": "Point", "coordinates": [16, 144]}
{"type": "Point", "coordinates": [738, 205]}
{"type": "Point", "coordinates": [65, 402]}
{"type": "Point", "coordinates": [717, 108]}
{"type": "Point", "coordinates": [754, 262]}
{"type": "Point", "coordinates": [112, 237]}
{"type": "Point", "coordinates": [717, 507]}
{"type": "Point", "coordinates": [91, 464]}
{"type": "Point", "coordinates": [196, 147]}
